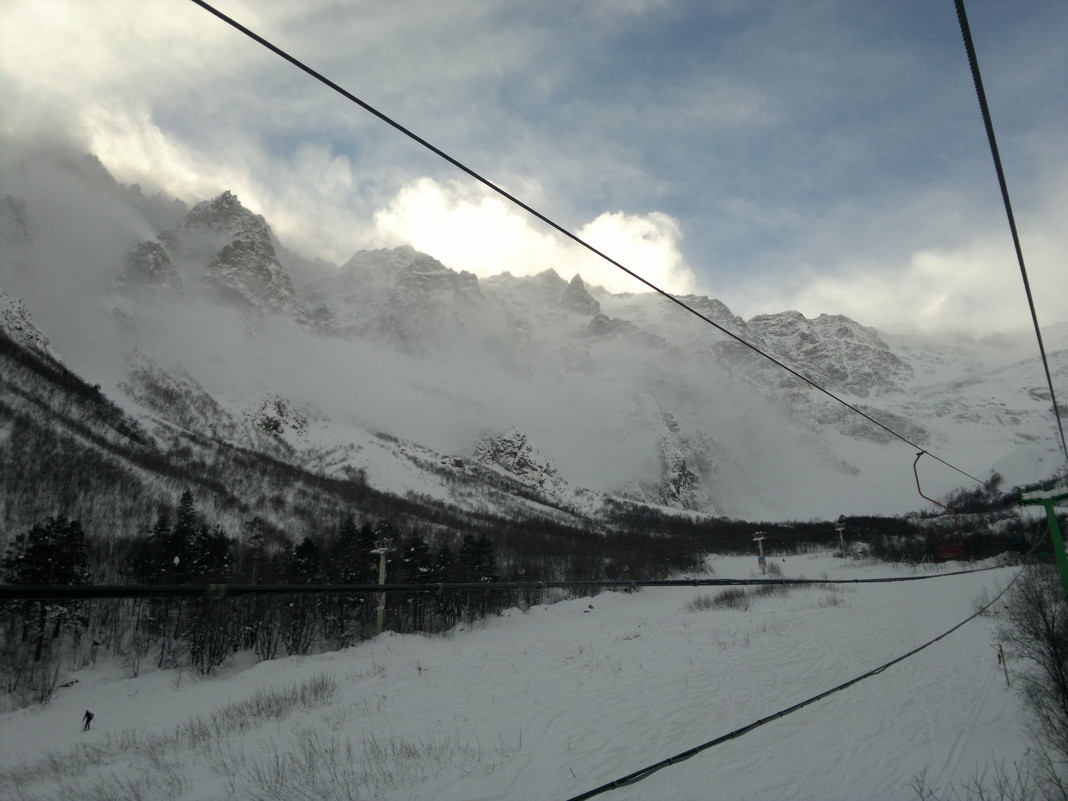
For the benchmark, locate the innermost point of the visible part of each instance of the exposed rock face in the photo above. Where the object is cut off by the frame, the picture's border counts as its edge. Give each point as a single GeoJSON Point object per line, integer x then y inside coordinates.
{"type": "Point", "coordinates": [274, 414]}
{"type": "Point", "coordinates": [512, 452]}
{"type": "Point", "coordinates": [222, 215]}
{"type": "Point", "coordinates": [268, 423]}
{"type": "Point", "coordinates": [606, 327]}
{"type": "Point", "coordinates": [681, 484]}
{"type": "Point", "coordinates": [247, 272]}
{"type": "Point", "coordinates": [234, 248]}
{"type": "Point", "coordinates": [174, 397]}
{"type": "Point", "coordinates": [18, 326]}
{"type": "Point", "coordinates": [577, 298]}
{"type": "Point", "coordinates": [148, 266]}
{"type": "Point", "coordinates": [402, 296]}
{"type": "Point", "coordinates": [425, 278]}
{"type": "Point", "coordinates": [835, 351]}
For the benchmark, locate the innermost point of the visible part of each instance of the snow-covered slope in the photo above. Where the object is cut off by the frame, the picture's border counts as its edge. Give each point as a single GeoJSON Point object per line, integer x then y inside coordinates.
{"type": "Point", "coordinates": [559, 699]}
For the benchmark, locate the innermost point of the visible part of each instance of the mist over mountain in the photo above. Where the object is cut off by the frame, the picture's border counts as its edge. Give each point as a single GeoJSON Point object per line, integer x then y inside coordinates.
{"type": "Point", "coordinates": [204, 332]}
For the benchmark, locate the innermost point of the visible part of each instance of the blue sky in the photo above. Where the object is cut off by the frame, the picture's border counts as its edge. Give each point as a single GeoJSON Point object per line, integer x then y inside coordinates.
{"type": "Point", "coordinates": [826, 156]}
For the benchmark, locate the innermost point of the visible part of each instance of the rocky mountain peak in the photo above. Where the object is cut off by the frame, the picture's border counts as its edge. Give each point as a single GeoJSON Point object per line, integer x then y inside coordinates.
{"type": "Point", "coordinates": [228, 247]}
{"type": "Point", "coordinates": [578, 299]}
{"type": "Point", "coordinates": [835, 351]}
{"type": "Point", "coordinates": [225, 214]}
{"type": "Point", "coordinates": [426, 276]}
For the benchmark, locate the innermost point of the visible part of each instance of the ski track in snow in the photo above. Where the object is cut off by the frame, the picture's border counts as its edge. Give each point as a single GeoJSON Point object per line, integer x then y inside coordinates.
{"type": "Point", "coordinates": [563, 698]}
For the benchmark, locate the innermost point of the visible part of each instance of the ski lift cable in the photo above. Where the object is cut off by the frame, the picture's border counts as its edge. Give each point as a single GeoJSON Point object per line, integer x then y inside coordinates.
{"type": "Point", "coordinates": [52, 592]}
{"type": "Point", "coordinates": [644, 773]}
{"type": "Point", "coordinates": [984, 107]}
{"type": "Point", "coordinates": [558, 227]}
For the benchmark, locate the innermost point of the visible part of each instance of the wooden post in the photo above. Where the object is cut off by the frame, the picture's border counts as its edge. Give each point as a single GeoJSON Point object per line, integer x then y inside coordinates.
{"type": "Point", "coordinates": [759, 539]}
{"type": "Point", "coordinates": [1003, 663]}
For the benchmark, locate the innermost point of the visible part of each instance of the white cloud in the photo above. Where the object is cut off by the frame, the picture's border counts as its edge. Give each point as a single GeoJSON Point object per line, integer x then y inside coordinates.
{"type": "Point", "coordinates": [750, 173]}
{"type": "Point", "coordinates": [974, 289]}
{"type": "Point", "coordinates": [468, 229]}
{"type": "Point", "coordinates": [645, 244]}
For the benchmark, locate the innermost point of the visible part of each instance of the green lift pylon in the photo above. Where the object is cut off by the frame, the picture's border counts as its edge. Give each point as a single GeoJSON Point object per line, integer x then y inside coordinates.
{"type": "Point", "coordinates": [1047, 499]}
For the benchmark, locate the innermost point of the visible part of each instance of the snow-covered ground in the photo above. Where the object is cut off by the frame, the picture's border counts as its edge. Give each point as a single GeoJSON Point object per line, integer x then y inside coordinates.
{"type": "Point", "coordinates": [558, 699]}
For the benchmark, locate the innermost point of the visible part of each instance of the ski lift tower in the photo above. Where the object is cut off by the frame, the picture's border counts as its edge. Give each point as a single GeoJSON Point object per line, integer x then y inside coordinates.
{"type": "Point", "coordinates": [1047, 499]}
{"type": "Point", "coordinates": [759, 540]}
{"type": "Point", "coordinates": [382, 547]}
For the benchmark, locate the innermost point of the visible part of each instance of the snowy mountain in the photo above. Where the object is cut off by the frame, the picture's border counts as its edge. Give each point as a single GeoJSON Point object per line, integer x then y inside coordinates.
{"type": "Point", "coordinates": [426, 381]}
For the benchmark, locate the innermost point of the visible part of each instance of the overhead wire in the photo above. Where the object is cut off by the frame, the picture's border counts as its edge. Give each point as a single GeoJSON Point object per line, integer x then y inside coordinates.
{"type": "Point", "coordinates": [41, 592]}
{"type": "Point", "coordinates": [560, 228]}
{"type": "Point", "coordinates": [646, 772]}
{"type": "Point", "coordinates": [984, 107]}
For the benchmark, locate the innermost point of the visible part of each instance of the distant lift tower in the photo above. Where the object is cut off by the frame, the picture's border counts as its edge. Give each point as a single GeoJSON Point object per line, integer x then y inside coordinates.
{"type": "Point", "coordinates": [759, 540]}
{"type": "Point", "coordinates": [382, 547]}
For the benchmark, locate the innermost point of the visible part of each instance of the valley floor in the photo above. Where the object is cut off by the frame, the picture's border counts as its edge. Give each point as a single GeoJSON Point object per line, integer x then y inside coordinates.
{"type": "Point", "coordinates": [553, 701]}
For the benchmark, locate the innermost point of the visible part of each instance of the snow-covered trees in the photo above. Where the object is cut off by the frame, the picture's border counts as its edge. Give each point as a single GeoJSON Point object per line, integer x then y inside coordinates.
{"type": "Point", "coordinates": [53, 552]}
{"type": "Point", "coordinates": [1035, 633]}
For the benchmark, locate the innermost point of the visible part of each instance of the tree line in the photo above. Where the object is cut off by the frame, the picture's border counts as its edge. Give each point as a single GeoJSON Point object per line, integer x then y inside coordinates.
{"type": "Point", "coordinates": [182, 545]}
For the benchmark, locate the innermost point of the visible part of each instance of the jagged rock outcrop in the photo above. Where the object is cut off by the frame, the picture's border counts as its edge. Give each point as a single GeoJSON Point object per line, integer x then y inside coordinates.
{"type": "Point", "coordinates": [247, 272]}
{"type": "Point", "coordinates": [512, 452]}
{"type": "Point", "coordinates": [834, 351]}
{"type": "Point", "coordinates": [400, 295]}
{"type": "Point", "coordinates": [17, 324]}
{"type": "Point", "coordinates": [148, 267]}
{"type": "Point", "coordinates": [684, 462]}
{"type": "Point", "coordinates": [425, 279]}
{"type": "Point", "coordinates": [223, 215]}
{"type": "Point", "coordinates": [276, 415]}
{"type": "Point", "coordinates": [605, 328]}
{"type": "Point", "coordinates": [577, 298]}
{"type": "Point", "coordinates": [235, 251]}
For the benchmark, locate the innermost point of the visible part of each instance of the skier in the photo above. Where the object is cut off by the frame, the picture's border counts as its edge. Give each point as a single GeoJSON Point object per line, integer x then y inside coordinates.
{"type": "Point", "coordinates": [88, 718]}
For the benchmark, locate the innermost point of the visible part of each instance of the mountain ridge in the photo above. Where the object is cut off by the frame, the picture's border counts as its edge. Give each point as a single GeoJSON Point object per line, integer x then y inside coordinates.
{"type": "Point", "coordinates": [623, 395]}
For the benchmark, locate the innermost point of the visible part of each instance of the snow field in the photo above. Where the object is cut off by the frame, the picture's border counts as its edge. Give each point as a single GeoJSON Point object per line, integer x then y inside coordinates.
{"type": "Point", "coordinates": [559, 699]}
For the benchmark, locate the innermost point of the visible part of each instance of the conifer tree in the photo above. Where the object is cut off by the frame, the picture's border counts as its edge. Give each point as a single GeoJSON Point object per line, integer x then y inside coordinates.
{"type": "Point", "coordinates": [53, 553]}
{"type": "Point", "coordinates": [416, 564]}
{"type": "Point", "coordinates": [352, 561]}
{"type": "Point", "coordinates": [209, 555]}
{"type": "Point", "coordinates": [305, 564]}
{"type": "Point", "coordinates": [478, 558]}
